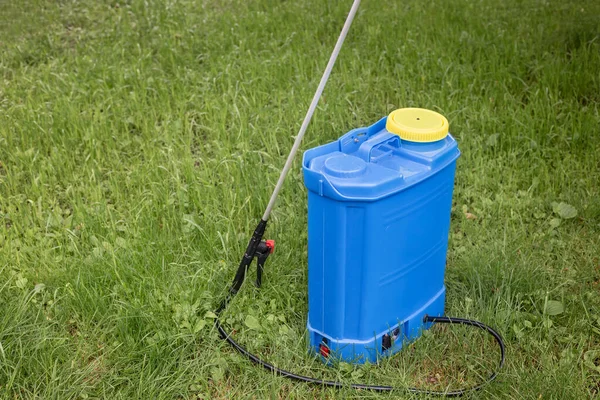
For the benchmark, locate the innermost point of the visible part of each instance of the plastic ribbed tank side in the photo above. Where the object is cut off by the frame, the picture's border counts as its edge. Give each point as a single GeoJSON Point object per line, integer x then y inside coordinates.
{"type": "Point", "coordinates": [375, 266]}
{"type": "Point", "coordinates": [407, 241]}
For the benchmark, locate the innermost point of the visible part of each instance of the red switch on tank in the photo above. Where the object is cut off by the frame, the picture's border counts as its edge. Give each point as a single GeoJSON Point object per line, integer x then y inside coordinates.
{"type": "Point", "coordinates": [271, 245]}
{"type": "Point", "coordinates": [324, 350]}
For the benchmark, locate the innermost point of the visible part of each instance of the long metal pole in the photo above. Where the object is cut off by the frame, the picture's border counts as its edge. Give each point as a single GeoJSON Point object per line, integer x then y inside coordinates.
{"type": "Point", "coordinates": [311, 110]}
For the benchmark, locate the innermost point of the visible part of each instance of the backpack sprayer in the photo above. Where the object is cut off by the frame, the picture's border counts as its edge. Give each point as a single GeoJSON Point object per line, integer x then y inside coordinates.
{"type": "Point", "coordinates": [379, 201]}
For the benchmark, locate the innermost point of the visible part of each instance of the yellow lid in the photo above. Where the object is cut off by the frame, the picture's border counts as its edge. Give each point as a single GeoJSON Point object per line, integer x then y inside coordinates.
{"type": "Point", "coordinates": [417, 125]}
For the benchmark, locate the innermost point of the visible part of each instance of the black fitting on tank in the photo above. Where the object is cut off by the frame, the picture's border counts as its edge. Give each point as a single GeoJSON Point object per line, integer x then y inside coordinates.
{"type": "Point", "coordinates": [386, 342]}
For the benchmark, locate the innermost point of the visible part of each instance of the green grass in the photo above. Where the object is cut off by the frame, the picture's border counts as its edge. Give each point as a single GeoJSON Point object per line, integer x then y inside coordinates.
{"type": "Point", "coordinates": [139, 142]}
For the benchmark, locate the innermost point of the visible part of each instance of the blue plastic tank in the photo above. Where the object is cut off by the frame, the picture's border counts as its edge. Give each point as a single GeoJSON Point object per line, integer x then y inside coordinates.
{"type": "Point", "coordinates": [379, 201]}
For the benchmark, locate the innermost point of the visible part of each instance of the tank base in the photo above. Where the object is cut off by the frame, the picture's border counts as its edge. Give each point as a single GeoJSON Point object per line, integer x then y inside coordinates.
{"type": "Point", "coordinates": [383, 344]}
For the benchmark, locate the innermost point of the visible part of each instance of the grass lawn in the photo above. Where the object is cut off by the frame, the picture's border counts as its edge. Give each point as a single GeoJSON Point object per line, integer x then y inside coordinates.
{"type": "Point", "coordinates": [140, 140]}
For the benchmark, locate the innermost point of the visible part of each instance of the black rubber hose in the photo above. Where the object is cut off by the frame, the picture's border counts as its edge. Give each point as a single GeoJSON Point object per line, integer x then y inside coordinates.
{"type": "Point", "coordinates": [240, 276]}
{"type": "Point", "coordinates": [377, 388]}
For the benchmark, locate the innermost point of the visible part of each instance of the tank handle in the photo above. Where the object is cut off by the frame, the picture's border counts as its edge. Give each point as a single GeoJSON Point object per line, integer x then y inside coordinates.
{"type": "Point", "coordinates": [378, 147]}
{"type": "Point", "coordinates": [351, 141]}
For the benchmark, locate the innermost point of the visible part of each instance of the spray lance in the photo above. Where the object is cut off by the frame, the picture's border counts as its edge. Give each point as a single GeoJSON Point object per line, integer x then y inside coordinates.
{"type": "Point", "coordinates": [377, 139]}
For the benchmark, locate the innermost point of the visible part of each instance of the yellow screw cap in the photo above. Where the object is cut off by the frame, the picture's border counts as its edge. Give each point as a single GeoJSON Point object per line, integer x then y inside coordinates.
{"type": "Point", "coordinates": [417, 125]}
